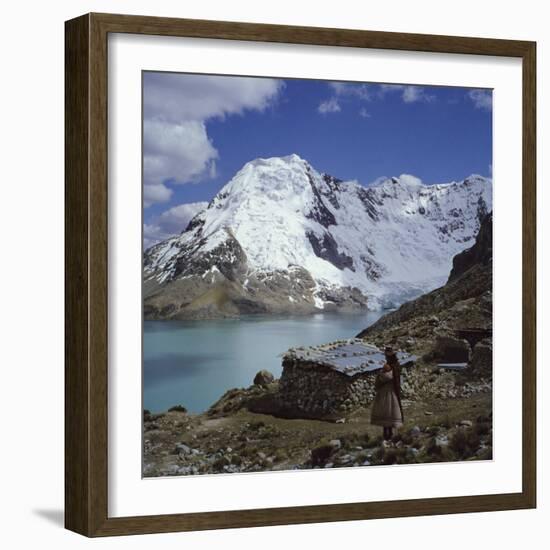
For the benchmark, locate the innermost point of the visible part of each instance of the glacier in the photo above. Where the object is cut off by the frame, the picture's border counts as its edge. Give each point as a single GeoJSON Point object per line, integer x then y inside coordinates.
{"type": "Point", "coordinates": [283, 237]}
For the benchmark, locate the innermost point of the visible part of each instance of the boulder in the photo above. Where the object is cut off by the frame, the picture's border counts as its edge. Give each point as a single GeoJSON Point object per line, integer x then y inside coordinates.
{"type": "Point", "coordinates": [320, 455]}
{"type": "Point", "coordinates": [177, 408]}
{"type": "Point", "coordinates": [263, 378]}
{"type": "Point", "coordinates": [182, 449]}
{"type": "Point", "coordinates": [452, 350]}
{"type": "Point", "coordinates": [482, 357]}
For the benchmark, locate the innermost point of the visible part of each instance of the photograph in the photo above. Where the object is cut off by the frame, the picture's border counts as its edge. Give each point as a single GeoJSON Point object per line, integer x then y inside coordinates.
{"type": "Point", "coordinates": [317, 286]}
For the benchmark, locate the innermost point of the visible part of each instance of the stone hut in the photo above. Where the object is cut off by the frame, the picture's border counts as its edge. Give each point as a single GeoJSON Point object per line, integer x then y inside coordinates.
{"type": "Point", "coordinates": [333, 378]}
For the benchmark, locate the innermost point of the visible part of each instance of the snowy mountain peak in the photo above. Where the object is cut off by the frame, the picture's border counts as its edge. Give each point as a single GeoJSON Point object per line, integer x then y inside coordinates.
{"type": "Point", "coordinates": [477, 179]}
{"type": "Point", "coordinates": [290, 162]}
{"type": "Point", "coordinates": [278, 217]}
{"type": "Point", "coordinates": [276, 174]}
{"type": "Point", "coordinates": [407, 180]}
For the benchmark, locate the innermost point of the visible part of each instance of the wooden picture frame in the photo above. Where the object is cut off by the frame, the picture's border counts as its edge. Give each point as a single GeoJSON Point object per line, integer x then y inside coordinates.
{"type": "Point", "coordinates": [86, 222]}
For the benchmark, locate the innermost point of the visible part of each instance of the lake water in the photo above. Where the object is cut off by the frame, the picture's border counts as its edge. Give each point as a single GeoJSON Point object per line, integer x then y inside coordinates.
{"type": "Point", "coordinates": [193, 363]}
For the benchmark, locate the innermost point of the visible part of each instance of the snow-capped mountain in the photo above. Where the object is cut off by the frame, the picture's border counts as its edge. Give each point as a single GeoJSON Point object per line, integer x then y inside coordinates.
{"type": "Point", "coordinates": [282, 237]}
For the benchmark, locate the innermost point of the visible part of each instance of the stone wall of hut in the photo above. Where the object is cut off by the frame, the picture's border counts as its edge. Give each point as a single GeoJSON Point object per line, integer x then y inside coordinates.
{"type": "Point", "coordinates": [319, 390]}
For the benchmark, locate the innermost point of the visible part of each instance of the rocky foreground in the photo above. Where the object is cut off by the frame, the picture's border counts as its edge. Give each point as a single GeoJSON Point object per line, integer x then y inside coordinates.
{"type": "Point", "coordinates": [448, 419]}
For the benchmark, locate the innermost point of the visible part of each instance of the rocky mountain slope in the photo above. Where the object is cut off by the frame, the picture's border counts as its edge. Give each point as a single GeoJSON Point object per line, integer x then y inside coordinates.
{"type": "Point", "coordinates": [464, 301]}
{"type": "Point", "coordinates": [281, 237]}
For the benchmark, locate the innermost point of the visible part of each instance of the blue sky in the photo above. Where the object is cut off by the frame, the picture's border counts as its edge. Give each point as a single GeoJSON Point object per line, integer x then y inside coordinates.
{"type": "Point", "coordinates": [199, 130]}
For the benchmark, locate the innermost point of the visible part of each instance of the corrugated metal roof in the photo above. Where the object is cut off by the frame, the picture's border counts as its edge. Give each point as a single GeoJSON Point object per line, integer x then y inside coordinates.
{"type": "Point", "coordinates": [350, 357]}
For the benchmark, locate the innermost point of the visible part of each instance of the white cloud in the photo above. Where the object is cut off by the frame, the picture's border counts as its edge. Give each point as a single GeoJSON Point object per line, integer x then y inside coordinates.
{"type": "Point", "coordinates": [171, 222]}
{"type": "Point", "coordinates": [175, 97]}
{"type": "Point", "coordinates": [383, 89]}
{"type": "Point", "coordinates": [370, 92]}
{"type": "Point", "coordinates": [361, 91]}
{"type": "Point", "coordinates": [482, 99]}
{"type": "Point", "coordinates": [156, 192]}
{"type": "Point", "coordinates": [343, 91]}
{"type": "Point", "coordinates": [329, 106]}
{"type": "Point", "coordinates": [176, 107]}
{"type": "Point", "coordinates": [182, 152]}
{"type": "Point", "coordinates": [152, 234]}
{"type": "Point", "coordinates": [409, 94]}
{"type": "Point", "coordinates": [412, 94]}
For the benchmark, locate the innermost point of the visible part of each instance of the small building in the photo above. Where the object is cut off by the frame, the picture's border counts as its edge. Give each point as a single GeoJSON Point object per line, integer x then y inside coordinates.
{"type": "Point", "coordinates": [455, 353]}
{"type": "Point", "coordinates": [333, 378]}
{"type": "Point", "coordinates": [473, 335]}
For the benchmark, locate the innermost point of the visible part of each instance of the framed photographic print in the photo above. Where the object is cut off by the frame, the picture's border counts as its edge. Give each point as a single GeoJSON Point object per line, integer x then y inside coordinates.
{"type": "Point", "coordinates": [300, 275]}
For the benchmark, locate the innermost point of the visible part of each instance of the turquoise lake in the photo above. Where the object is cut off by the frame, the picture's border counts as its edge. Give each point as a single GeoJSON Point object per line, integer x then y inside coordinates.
{"type": "Point", "coordinates": [193, 363]}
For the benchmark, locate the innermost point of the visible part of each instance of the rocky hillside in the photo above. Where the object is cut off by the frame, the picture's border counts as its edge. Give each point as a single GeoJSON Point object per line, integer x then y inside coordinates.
{"type": "Point", "coordinates": [464, 301]}
{"type": "Point", "coordinates": [230, 438]}
{"type": "Point", "coordinates": [281, 237]}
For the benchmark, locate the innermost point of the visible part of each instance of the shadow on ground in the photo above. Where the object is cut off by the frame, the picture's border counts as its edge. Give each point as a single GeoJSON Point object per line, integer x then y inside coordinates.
{"type": "Point", "coordinates": [57, 517]}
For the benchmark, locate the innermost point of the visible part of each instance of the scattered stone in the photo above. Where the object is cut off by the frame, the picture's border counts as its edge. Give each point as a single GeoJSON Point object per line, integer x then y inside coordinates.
{"type": "Point", "coordinates": [263, 378]}
{"type": "Point", "coordinates": [182, 449]}
{"type": "Point", "coordinates": [428, 413]}
{"type": "Point", "coordinates": [221, 463]}
{"type": "Point", "coordinates": [177, 408]}
{"type": "Point", "coordinates": [335, 443]}
{"type": "Point", "coordinates": [466, 423]}
{"type": "Point", "coordinates": [412, 452]}
{"type": "Point", "coordinates": [152, 426]}
{"type": "Point", "coordinates": [415, 431]}
{"type": "Point", "coordinates": [341, 421]}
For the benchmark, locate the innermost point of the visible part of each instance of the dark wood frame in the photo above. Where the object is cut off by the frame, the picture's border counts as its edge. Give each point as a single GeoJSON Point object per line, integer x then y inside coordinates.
{"type": "Point", "coordinates": [86, 274]}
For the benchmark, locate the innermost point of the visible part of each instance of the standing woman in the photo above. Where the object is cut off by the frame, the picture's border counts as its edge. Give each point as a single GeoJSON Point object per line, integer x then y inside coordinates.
{"type": "Point", "coordinates": [386, 408]}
